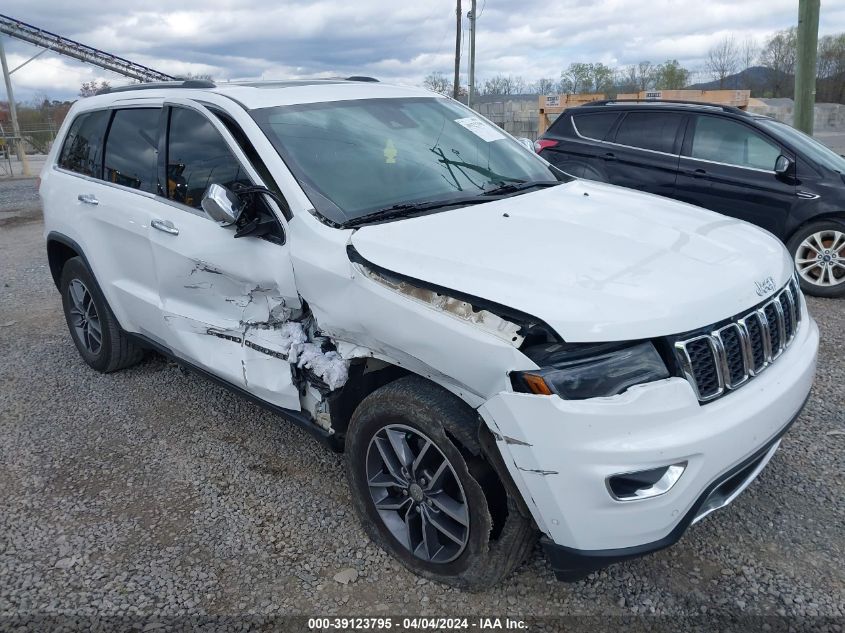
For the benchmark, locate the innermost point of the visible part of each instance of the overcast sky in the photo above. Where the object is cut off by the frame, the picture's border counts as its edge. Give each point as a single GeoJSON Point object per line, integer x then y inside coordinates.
{"type": "Point", "coordinates": [395, 41]}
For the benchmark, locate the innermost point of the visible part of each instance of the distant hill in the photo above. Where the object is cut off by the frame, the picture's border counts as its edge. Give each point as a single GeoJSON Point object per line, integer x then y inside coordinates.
{"type": "Point", "coordinates": [753, 78]}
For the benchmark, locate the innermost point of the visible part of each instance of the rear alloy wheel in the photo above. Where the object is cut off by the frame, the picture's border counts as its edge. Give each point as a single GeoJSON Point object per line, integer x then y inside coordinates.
{"type": "Point", "coordinates": [819, 254]}
{"type": "Point", "coordinates": [83, 317]}
{"type": "Point", "coordinates": [92, 325]}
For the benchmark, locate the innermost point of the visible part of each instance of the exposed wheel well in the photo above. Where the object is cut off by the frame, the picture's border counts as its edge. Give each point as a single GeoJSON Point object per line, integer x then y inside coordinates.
{"type": "Point", "coordinates": [58, 253]}
{"type": "Point", "coordinates": [839, 216]}
{"type": "Point", "coordinates": [365, 377]}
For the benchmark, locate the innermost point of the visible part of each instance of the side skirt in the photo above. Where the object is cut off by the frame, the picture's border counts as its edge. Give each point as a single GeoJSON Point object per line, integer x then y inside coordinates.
{"type": "Point", "coordinates": [299, 418]}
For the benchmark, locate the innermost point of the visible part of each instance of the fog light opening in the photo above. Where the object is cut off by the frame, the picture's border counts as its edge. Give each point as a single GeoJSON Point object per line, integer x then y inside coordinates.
{"type": "Point", "coordinates": [644, 484]}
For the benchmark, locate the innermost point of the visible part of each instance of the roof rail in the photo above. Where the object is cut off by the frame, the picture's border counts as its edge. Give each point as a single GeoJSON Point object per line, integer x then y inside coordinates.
{"type": "Point", "coordinates": [158, 85]}
{"type": "Point", "coordinates": [724, 108]}
{"type": "Point", "coordinates": [361, 78]}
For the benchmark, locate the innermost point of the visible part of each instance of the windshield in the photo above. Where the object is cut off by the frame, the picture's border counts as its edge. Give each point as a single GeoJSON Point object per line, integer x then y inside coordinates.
{"type": "Point", "coordinates": [806, 145]}
{"type": "Point", "coordinates": [356, 158]}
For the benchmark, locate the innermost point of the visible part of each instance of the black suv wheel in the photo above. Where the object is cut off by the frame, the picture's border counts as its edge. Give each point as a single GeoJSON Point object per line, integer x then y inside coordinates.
{"type": "Point", "coordinates": [818, 250]}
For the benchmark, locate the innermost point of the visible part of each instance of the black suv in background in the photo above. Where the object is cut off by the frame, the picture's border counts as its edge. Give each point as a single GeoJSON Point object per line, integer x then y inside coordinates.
{"type": "Point", "coordinates": [747, 166]}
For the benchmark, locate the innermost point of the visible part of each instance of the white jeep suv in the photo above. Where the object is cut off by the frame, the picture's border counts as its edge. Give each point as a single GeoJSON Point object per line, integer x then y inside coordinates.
{"type": "Point", "coordinates": [501, 350]}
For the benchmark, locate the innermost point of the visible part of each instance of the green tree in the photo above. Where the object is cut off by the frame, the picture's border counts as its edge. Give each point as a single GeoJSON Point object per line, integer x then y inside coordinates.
{"type": "Point", "coordinates": [670, 75]}
{"type": "Point", "coordinates": [577, 78]}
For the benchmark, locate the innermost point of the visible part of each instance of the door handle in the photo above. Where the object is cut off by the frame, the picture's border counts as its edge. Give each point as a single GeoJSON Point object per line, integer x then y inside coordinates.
{"type": "Point", "coordinates": [697, 173]}
{"type": "Point", "coordinates": [609, 156]}
{"type": "Point", "coordinates": [88, 198]}
{"type": "Point", "coordinates": [166, 226]}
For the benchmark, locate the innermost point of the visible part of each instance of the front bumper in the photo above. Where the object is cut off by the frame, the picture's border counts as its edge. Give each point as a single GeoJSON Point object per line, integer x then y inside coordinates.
{"type": "Point", "coordinates": [559, 454]}
{"type": "Point", "coordinates": [571, 564]}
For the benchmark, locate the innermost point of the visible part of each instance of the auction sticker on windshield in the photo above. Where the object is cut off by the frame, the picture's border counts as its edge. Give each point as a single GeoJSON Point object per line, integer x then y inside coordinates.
{"type": "Point", "coordinates": [480, 128]}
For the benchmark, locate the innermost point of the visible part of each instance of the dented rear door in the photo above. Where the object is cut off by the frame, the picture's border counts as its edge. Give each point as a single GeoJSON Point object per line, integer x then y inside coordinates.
{"type": "Point", "coordinates": [223, 299]}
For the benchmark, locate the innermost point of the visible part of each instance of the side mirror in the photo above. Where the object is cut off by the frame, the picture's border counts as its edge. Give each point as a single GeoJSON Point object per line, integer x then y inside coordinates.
{"type": "Point", "coordinates": [222, 205]}
{"type": "Point", "coordinates": [527, 143]}
{"type": "Point", "coordinates": [783, 165]}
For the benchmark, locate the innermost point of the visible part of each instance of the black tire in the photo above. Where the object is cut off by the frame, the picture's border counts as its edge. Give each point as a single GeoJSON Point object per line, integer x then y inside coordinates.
{"type": "Point", "coordinates": [498, 537]}
{"type": "Point", "coordinates": [114, 350]}
{"type": "Point", "coordinates": [830, 284]}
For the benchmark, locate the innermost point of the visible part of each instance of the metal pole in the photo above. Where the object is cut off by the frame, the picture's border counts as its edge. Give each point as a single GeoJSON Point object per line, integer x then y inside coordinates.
{"type": "Point", "coordinates": [13, 112]}
{"type": "Point", "coordinates": [805, 64]}
{"type": "Point", "coordinates": [471, 91]}
{"type": "Point", "coordinates": [456, 86]}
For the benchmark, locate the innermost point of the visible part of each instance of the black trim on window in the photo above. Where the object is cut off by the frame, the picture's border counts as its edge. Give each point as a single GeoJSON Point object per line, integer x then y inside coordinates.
{"type": "Point", "coordinates": [254, 158]}
{"type": "Point", "coordinates": [686, 149]}
{"type": "Point", "coordinates": [78, 121]}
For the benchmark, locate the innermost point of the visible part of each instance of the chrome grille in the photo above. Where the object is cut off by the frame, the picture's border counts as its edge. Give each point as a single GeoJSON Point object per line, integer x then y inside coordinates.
{"type": "Point", "coordinates": [725, 358]}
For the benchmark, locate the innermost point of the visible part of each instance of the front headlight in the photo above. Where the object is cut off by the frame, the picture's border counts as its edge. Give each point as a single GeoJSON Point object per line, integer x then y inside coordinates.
{"type": "Point", "coordinates": [580, 371]}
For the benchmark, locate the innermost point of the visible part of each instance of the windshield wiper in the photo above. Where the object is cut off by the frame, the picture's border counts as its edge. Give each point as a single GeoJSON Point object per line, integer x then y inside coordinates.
{"type": "Point", "coordinates": [406, 209]}
{"type": "Point", "coordinates": [515, 187]}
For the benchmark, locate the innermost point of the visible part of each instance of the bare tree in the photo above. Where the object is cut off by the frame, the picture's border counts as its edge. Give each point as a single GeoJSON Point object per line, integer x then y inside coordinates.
{"type": "Point", "coordinates": [91, 88]}
{"type": "Point", "coordinates": [544, 86]}
{"type": "Point", "coordinates": [831, 69]}
{"type": "Point", "coordinates": [749, 52]}
{"type": "Point", "coordinates": [644, 75]}
{"type": "Point", "coordinates": [778, 55]}
{"type": "Point", "coordinates": [723, 59]}
{"type": "Point", "coordinates": [504, 85]}
{"type": "Point", "coordinates": [437, 82]}
{"type": "Point", "coordinates": [203, 76]}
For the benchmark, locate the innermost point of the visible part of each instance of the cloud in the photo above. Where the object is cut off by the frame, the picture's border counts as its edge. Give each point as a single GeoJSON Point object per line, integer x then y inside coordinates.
{"type": "Point", "coordinates": [399, 42]}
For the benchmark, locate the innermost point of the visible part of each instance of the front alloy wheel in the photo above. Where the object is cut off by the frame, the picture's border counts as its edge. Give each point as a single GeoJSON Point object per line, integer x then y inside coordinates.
{"type": "Point", "coordinates": [819, 254]}
{"type": "Point", "coordinates": [820, 258]}
{"type": "Point", "coordinates": [417, 494]}
{"type": "Point", "coordinates": [421, 485]}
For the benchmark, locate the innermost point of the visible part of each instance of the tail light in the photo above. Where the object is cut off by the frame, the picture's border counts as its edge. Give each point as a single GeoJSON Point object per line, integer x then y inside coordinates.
{"type": "Point", "coordinates": [542, 143]}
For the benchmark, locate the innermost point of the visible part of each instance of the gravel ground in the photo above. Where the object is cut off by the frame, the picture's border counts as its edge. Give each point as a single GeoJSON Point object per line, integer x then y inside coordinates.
{"type": "Point", "coordinates": [17, 196]}
{"type": "Point", "coordinates": [151, 491]}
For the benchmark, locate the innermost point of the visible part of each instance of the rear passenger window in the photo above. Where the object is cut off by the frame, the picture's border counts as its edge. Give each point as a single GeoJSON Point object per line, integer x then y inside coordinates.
{"type": "Point", "coordinates": [197, 156]}
{"type": "Point", "coordinates": [650, 130]}
{"type": "Point", "coordinates": [132, 149]}
{"type": "Point", "coordinates": [81, 151]}
{"type": "Point", "coordinates": [595, 126]}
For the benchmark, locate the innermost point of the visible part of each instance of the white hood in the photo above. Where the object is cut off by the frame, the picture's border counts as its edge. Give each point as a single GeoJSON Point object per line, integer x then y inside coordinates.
{"type": "Point", "coordinates": [595, 262]}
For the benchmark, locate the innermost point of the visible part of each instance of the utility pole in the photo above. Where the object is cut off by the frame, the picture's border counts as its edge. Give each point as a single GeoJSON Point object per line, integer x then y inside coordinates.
{"type": "Point", "coordinates": [456, 86]}
{"type": "Point", "coordinates": [13, 112]}
{"type": "Point", "coordinates": [805, 64]}
{"type": "Point", "coordinates": [471, 90]}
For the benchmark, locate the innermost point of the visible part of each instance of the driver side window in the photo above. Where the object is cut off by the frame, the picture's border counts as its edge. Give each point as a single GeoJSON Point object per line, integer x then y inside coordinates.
{"type": "Point", "coordinates": [197, 156]}
{"type": "Point", "coordinates": [726, 141]}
